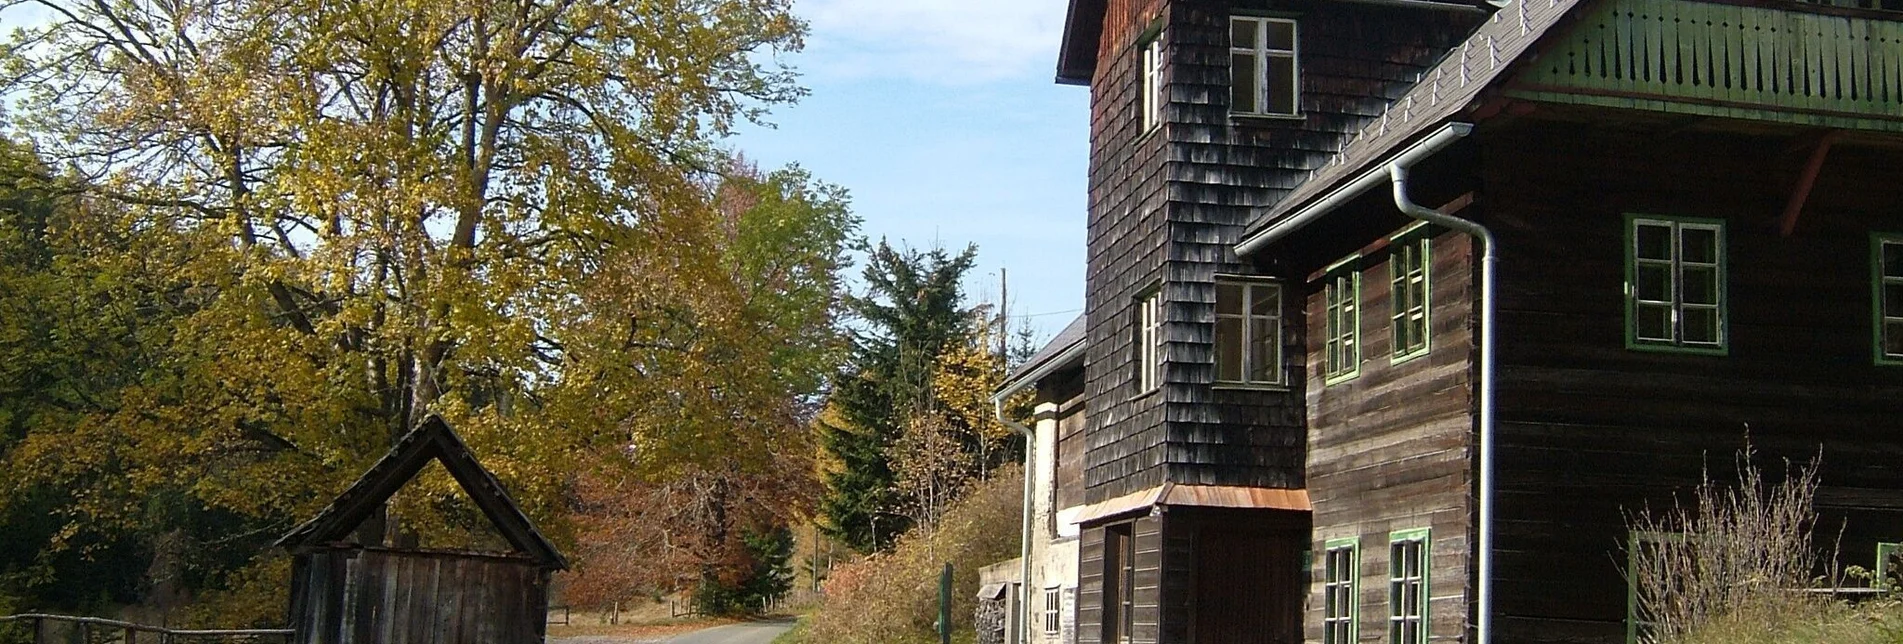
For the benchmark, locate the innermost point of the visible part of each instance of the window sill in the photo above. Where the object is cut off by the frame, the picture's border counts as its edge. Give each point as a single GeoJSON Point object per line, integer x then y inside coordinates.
{"type": "Point", "coordinates": [1722, 350]}
{"type": "Point", "coordinates": [1884, 360]}
{"type": "Point", "coordinates": [1139, 396]}
{"type": "Point", "coordinates": [1266, 120]}
{"type": "Point", "coordinates": [1248, 386]}
{"type": "Point", "coordinates": [1394, 361]}
{"type": "Point", "coordinates": [1331, 381]}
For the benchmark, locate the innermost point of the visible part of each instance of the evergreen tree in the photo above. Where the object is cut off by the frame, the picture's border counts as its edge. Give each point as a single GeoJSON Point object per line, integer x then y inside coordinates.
{"type": "Point", "coordinates": [912, 309]}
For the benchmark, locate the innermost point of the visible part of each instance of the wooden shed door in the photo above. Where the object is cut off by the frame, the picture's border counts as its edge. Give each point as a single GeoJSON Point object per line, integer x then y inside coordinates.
{"type": "Point", "coordinates": [1248, 588]}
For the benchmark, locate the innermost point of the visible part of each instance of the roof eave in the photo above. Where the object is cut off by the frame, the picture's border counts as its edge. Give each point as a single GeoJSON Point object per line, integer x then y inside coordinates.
{"type": "Point", "coordinates": [1077, 55]}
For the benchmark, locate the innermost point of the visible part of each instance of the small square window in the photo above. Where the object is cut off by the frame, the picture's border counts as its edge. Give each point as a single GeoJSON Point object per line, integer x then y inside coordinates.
{"type": "Point", "coordinates": [1675, 284]}
{"type": "Point", "coordinates": [1263, 75]}
{"type": "Point", "coordinates": [1248, 331]}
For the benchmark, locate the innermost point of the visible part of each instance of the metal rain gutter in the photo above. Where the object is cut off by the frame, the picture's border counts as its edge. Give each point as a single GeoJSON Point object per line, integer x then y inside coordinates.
{"type": "Point", "coordinates": [1030, 464]}
{"type": "Point", "coordinates": [1489, 257]}
{"type": "Point", "coordinates": [1394, 172]}
{"type": "Point", "coordinates": [1427, 147]}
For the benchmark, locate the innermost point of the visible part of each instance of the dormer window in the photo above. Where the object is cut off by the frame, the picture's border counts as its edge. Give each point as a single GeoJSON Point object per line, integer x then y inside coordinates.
{"type": "Point", "coordinates": [1262, 69]}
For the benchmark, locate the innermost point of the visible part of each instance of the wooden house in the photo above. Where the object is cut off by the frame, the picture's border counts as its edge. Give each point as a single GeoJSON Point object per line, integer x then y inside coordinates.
{"type": "Point", "coordinates": [345, 592]}
{"type": "Point", "coordinates": [1398, 310]}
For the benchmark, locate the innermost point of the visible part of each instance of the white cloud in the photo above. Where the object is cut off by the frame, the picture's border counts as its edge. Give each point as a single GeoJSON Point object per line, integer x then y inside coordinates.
{"type": "Point", "coordinates": [932, 41]}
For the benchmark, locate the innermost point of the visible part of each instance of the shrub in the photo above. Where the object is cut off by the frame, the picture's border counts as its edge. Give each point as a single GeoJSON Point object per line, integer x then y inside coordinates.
{"type": "Point", "coordinates": [892, 598]}
{"type": "Point", "coordinates": [1737, 556]}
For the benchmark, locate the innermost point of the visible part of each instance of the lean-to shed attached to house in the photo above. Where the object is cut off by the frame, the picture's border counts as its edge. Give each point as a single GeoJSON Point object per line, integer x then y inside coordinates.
{"type": "Point", "coordinates": [343, 592]}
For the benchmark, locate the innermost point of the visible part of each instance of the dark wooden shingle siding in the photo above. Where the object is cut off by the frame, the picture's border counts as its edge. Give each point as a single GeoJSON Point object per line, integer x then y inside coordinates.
{"type": "Point", "coordinates": [1591, 431]}
{"type": "Point", "coordinates": [1166, 207]}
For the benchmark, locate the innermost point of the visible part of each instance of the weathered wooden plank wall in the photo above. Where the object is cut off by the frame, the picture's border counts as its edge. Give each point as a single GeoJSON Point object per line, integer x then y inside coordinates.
{"type": "Point", "coordinates": [1591, 431]}
{"type": "Point", "coordinates": [1389, 449]}
{"type": "Point", "coordinates": [373, 596]}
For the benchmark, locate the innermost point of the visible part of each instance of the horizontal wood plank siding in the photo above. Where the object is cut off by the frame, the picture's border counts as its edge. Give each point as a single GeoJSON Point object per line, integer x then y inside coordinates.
{"type": "Point", "coordinates": [1592, 431]}
{"type": "Point", "coordinates": [1390, 449]}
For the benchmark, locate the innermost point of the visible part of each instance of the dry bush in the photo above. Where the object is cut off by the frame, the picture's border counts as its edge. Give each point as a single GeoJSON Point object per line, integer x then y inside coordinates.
{"type": "Point", "coordinates": [1738, 554]}
{"type": "Point", "coordinates": [892, 598]}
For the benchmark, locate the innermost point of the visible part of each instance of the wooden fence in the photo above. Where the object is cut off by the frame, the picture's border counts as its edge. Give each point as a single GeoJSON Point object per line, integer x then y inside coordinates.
{"type": "Point", "coordinates": [67, 629]}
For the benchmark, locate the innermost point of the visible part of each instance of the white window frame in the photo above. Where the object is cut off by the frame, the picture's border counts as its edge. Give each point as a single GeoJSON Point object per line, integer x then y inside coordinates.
{"type": "Point", "coordinates": [1261, 53]}
{"type": "Point", "coordinates": [1149, 340]}
{"type": "Point", "coordinates": [1405, 278]}
{"type": "Point", "coordinates": [1150, 62]}
{"type": "Point", "coordinates": [1052, 600]}
{"type": "Point", "coordinates": [1341, 591]}
{"type": "Point", "coordinates": [1246, 319]}
{"type": "Point", "coordinates": [1407, 620]}
{"type": "Point", "coordinates": [1677, 267]}
{"type": "Point", "coordinates": [1341, 323]}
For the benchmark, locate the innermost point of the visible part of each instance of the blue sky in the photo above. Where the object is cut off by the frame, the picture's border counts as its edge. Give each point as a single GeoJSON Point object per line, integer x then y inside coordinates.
{"type": "Point", "coordinates": [941, 118]}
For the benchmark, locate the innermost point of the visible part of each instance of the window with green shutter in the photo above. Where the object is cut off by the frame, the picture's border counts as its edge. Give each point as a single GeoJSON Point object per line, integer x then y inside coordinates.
{"type": "Point", "coordinates": [1340, 591]}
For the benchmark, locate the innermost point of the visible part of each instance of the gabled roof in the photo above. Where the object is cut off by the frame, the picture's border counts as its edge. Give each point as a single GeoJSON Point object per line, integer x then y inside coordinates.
{"type": "Point", "coordinates": [431, 440]}
{"type": "Point", "coordinates": [1057, 354]}
{"type": "Point", "coordinates": [1454, 84]}
{"type": "Point", "coordinates": [1083, 28]}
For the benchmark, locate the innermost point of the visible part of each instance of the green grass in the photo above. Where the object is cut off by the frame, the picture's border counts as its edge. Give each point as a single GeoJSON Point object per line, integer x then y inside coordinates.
{"type": "Point", "coordinates": [1820, 622]}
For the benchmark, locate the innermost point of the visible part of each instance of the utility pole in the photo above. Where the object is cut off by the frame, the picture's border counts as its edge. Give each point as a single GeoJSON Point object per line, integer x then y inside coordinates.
{"type": "Point", "coordinates": [1004, 314]}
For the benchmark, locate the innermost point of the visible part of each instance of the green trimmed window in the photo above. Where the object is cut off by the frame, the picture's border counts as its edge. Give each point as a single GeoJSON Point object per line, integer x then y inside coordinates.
{"type": "Point", "coordinates": [1407, 270]}
{"type": "Point", "coordinates": [1151, 68]}
{"type": "Point", "coordinates": [1263, 79]}
{"type": "Point", "coordinates": [1886, 268]}
{"type": "Point", "coordinates": [1889, 557]}
{"type": "Point", "coordinates": [1341, 596]}
{"type": "Point", "coordinates": [1407, 587]}
{"type": "Point", "coordinates": [1248, 331]}
{"type": "Point", "coordinates": [1649, 561]}
{"type": "Point", "coordinates": [1675, 284]}
{"type": "Point", "coordinates": [1148, 340]}
{"type": "Point", "coordinates": [1341, 343]}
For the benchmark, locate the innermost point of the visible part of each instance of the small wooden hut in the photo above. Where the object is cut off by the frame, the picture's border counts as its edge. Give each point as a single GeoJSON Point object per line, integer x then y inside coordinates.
{"type": "Point", "coordinates": [344, 592]}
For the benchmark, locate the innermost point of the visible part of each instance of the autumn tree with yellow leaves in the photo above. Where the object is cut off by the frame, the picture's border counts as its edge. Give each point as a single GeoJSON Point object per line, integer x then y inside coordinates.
{"type": "Point", "coordinates": [354, 213]}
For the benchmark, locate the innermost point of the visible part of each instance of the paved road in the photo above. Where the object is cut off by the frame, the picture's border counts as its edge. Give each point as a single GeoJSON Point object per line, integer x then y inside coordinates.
{"type": "Point", "coordinates": [748, 633]}
{"type": "Point", "coordinates": [761, 632]}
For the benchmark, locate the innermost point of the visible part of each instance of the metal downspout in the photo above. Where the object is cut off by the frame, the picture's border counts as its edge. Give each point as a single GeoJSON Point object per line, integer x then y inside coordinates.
{"type": "Point", "coordinates": [1024, 547]}
{"type": "Point", "coordinates": [1397, 173]}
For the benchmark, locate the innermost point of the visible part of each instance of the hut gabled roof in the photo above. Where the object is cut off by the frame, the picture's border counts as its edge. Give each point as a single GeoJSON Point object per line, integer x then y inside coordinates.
{"type": "Point", "coordinates": [431, 440]}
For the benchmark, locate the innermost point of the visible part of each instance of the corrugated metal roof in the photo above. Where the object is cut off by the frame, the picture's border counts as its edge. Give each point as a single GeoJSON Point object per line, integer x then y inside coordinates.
{"type": "Point", "coordinates": [1204, 496]}
{"type": "Point", "coordinates": [1450, 87]}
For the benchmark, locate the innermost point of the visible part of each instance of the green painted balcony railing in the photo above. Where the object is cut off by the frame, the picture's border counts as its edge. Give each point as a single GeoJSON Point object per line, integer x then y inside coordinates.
{"type": "Point", "coordinates": [1841, 68]}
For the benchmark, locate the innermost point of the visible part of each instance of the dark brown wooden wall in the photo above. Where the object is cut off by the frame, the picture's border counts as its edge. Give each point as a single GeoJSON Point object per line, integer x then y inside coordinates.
{"type": "Point", "coordinates": [1166, 206]}
{"type": "Point", "coordinates": [359, 596]}
{"type": "Point", "coordinates": [1066, 390]}
{"type": "Point", "coordinates": [1389, 449]}
{"type": "Point", "coordinates": [1591, 430]}
{"type": "Point", "coordinates": [1148, 532]}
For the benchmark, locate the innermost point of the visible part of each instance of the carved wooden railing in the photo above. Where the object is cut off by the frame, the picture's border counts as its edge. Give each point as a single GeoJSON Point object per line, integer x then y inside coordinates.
{"type": "Point", "coordinates": [1739, 54]}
